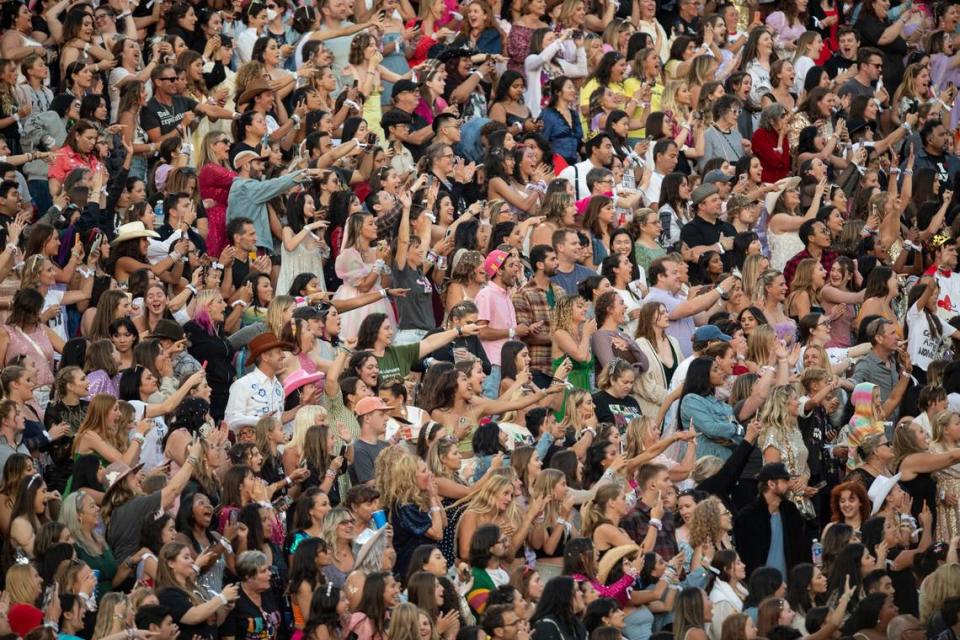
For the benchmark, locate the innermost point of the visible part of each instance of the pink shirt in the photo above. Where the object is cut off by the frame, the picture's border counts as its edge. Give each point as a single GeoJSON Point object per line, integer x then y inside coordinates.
{"type": "Point", "coordinates": [494, 304]}
{"type": "Point", "coordinates": [67, 160]}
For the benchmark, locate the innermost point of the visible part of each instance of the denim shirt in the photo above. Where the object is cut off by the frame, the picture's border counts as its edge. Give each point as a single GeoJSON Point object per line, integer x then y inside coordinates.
{"type": "Point", "coordinates": [564, 139]}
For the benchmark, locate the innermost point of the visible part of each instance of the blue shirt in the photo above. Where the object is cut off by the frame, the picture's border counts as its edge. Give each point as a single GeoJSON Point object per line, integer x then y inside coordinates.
{"type": "Point", "coordinates": [564, 139]}
{"type": "Point", "coordinates": [775, 555]}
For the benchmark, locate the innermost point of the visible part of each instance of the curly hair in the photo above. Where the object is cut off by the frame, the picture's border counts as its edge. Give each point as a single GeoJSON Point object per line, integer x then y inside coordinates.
{"type": "Point", "coordinates": [857, 490]}
{"type": "Point", "coordinates": [561, 317]}
{"type": "Point", "coordinates": [705, 525]}
{"type": "Point", "coordinates": [396, 478]}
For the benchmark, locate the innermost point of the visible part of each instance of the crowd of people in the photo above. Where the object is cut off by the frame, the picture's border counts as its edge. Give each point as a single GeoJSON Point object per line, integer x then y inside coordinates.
{"type": "Point", "coordinates": [479, 320]}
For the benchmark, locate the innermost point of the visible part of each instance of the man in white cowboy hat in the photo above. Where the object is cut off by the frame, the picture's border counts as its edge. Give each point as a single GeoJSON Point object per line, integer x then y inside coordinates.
{"type": "Point", "coordinates": [249, 193]}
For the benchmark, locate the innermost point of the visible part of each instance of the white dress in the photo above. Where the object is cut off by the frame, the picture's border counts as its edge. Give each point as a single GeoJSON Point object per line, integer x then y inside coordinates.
{"type": "Point", "coordinates": [352, 269]}
{"type": "Point", "coordinates": [783, 246]}
{"type": "Point", "coordinates": [305, 258]}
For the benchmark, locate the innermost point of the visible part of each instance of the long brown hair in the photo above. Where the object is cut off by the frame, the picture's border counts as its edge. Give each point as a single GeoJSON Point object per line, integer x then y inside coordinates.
{"type": "Point", "coordinates": [96, 418]}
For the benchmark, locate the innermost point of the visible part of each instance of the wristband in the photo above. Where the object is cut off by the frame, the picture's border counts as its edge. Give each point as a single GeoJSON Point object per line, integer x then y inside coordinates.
{"type": "Point", "coordinates": [435, 510]}
{"type": "Point", "coordinates": [223, 599]}
{"type": "Point", "coordinates": [10, 245]}
{"type": "Point", "coordinates": [16, 117]}
{"type": "Point", "coordinates": [287, 481]}
{"type": "Point", "coordinates": [138, 438]}
{"type": "Point", "coordinates": [383, 293]}
{"type": "Point", "coordinates": [330, 473]}
{"type": "Point", "coordinates": [86, 48]}
{"type": "Point", "coordinates": [512, 333]}
{"type": "Point", "coordinates": [192, 289]}
{"type": "Point", "coordinates": [175, 255]}
{"type": "Point", "coordinates": [656, 523]}
{"type": "Point", "coordinates": [459, 332]}
{"type": "Point", "coordinates": [238, 302]}
{"type": "Point", "coordinates": [193, 460]}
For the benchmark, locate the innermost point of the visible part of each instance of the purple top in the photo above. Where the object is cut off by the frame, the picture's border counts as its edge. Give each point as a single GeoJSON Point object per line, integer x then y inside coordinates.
{"type": "Point", "coordinates": [101, 382]}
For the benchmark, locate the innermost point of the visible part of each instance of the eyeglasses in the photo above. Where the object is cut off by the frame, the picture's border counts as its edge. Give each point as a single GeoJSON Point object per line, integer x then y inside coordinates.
{"type": "Point", "coordinates": [878, 65]}
{"type": "Point", "coordinates": [173, 79]}
{"type": "Point", "coordinates": [824, 323]}
{"type": "Point", "coordinates": [351, 521]}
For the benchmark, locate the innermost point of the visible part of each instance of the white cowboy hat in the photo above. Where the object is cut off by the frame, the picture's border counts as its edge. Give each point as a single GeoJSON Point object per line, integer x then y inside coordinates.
{"type": "Point", "coordinates": [770, 200]}
{"type": "Point", "coordinates": [133, 230]}
{"type": "Point", "coordinates": [879, 490]}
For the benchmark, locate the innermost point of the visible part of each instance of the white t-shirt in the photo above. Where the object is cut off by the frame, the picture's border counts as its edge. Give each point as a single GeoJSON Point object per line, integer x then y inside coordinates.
{"type": "Point", "coordinates": [59, 324]}
{"type": "Point", "coordinates": [151, 453]}
{"type": "Point", "coordinates": [921, 345]}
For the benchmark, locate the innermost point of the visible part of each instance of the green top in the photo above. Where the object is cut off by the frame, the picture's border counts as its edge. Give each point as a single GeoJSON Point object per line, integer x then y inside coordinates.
{"type": "Point", "coordinates": [396, 361]}
{"type": "Point", "coordinates": [105, 563]}
{"type": "Point", "coordinates": [646, 255]}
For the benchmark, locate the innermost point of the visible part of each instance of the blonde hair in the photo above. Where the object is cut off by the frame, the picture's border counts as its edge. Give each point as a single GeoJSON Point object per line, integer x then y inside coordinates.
{"type": "Point", "coordinates": [483, 499]}
{"type": "Point", "coordinates": [398, 481]}
{"type": "Point", "coordinates": [109, 621]}
{"type": "Point", "coordinates": [705, 524]}
{"type": "Point", "coordinates": [561, 317]}
{"type": "Point", "coordinates": [275, 310]}
{"type": "Point", "coordinates": [207, 155]}
{"type": "Point", "coordinates": [21, 586]}
{"type": "Point", "coordinates": [803, 281]}
{"type": "Point", "coordinates": [938, 586]}
{"type": "Point", "coordinates": [593, 512]}
{"type": "Point", "coordinates": [328, 527]}
{"type": "Point", "coordinates": [760, 345]}
{"type": "Point", "coordinates": [306, 418]}
{"type": "Point", "coordinates": [751, 275]}
{"type": "Point", "coordinates": [405, 622]}
{"type": "Point", "coordinates": [669, 100]}
{"type": "Point", "coordinates": [941, 422]}
{"type": "Point", "coordinates": [572, 420]}
{"type": "Point", "coordinates": [637, 430]}
{"type": "Point", "coordinates": [435, 454]}
{"type": "Point", "coordinates": [543, 487]}
{"type": "Point", "coordinates": [70, 517]}
{"type": "Point", "coordinates": [775, 416]}
{"type": "Point", "coordinates": [705, 467]}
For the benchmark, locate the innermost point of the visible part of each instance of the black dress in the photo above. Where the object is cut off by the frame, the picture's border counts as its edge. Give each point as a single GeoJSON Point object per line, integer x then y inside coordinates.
{"type": "Point", "coordinates": [216, 351]}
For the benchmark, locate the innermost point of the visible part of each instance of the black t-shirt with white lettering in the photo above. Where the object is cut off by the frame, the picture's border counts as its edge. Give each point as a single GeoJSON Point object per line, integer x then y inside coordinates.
{"type": "Point", "coordinates": [165, 117]}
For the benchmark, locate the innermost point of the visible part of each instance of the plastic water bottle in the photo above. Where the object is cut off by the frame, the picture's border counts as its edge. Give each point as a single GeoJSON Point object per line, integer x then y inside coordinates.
{"type": "Point", "coordinates": [816, 551]}
{"type": "Point", "coordinates": [158, 212]}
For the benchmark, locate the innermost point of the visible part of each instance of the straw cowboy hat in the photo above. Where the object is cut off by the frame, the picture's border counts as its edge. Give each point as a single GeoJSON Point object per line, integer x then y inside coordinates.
{"type": "Point", "coordinates": [612, 558]}
{"type": "Point", "coordinates": [133, 230]}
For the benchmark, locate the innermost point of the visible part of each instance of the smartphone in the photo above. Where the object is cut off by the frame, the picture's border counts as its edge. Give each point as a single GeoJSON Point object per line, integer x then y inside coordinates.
{"type": "Point", "coordinates": [232, 518]}
{"type": "Point", "coordinates": [819, 485]}
{"type": "Point", "coordinates": [343, 451]}
{"type": "Point", "coordinates": [96, 243]}
{"type": "Point", "coordinates": [430, 180]}
{"type": "Point", "coordinates": [371, 139]}
{"type": "Point", "coordinates": [577, 34]}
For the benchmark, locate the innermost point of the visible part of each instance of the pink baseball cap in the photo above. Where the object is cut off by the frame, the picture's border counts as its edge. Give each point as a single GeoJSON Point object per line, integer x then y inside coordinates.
{"type": "Point", "coordinates": [494, 261]}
